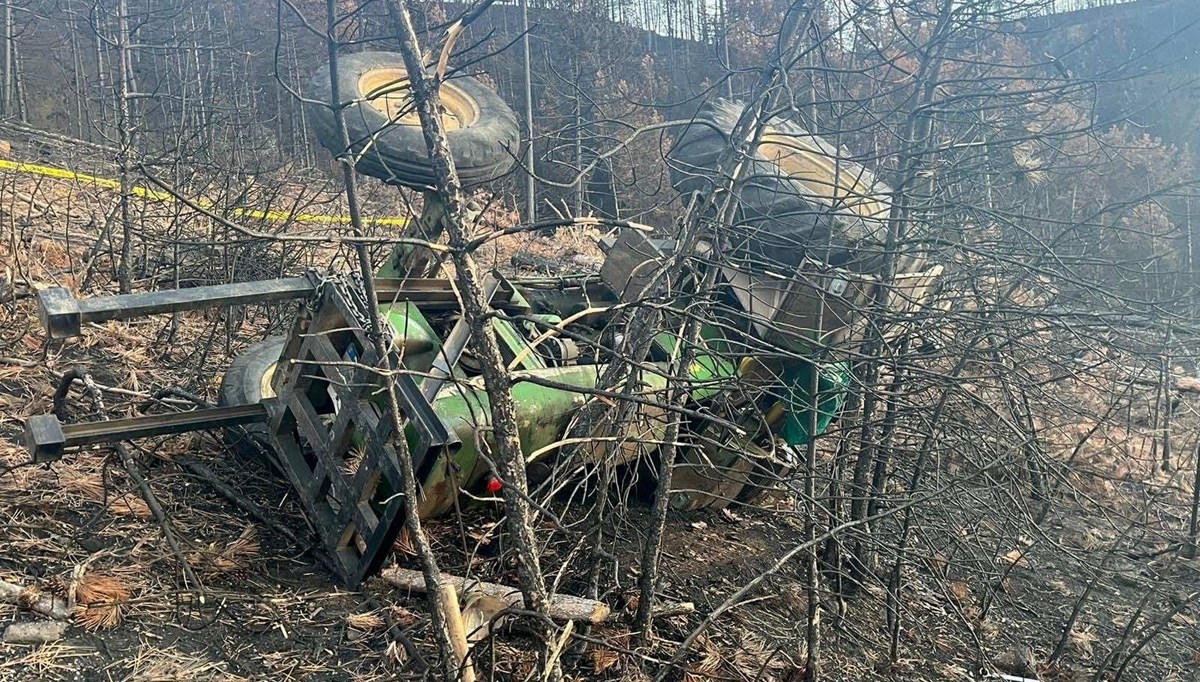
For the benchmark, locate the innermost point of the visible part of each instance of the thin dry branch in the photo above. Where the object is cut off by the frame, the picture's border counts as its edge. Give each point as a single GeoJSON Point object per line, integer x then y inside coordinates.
{"type": "Point", "coordinates": [559, 606]}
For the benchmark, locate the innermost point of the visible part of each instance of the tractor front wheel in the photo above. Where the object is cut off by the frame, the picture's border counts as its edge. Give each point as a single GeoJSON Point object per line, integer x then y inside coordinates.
{"type": "Point", "coordinates": [246, 382]}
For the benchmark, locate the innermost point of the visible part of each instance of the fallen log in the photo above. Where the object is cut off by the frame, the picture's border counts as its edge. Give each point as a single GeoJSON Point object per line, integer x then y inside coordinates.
{"type": "Point", "coordinates": [47, 605]}
{"type": "Point", "coordinates": [1187, 384]}
{"type": "Point", "coordinates": [561, 606]}
{"type": "Point", "coordinates": [36, 632]}
{"type": "Point", "coordinates": [683, 608]}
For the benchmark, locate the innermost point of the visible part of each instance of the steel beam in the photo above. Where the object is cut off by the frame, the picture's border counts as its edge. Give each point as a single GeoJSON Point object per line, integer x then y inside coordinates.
{"type": "Point", "coordinates": [63, 315]}
{"type": "Point", "coordinates": [47, 438]}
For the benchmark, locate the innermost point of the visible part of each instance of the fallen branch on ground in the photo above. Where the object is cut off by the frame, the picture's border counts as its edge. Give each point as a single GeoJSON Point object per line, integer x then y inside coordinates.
{"type": "Point", "coordinates": [682, 608]}
{"type": "Point", "coordinates": [47, 605]}
{"type": "Point", "coordinates": [560, 606]}
{"type": "Point", "coordinates": [131, 467]}
{"type": "Point", "coordinates": [1187, 384]}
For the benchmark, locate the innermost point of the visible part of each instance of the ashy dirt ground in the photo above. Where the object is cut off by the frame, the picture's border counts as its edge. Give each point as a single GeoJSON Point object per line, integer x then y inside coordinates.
{"type": "Point", "coordinates": [79, 530]}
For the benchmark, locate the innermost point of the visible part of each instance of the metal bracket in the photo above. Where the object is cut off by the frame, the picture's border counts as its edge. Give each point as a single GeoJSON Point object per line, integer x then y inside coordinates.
{"type": "Point", "coordinates": [59, 313]}
{"type": "Point", "coordinates": [44, 437]}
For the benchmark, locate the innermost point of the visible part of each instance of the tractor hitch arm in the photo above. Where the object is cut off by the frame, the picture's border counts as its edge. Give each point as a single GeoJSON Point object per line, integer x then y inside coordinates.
{"type": "Point", "coordinates": [46, 437]}
{"type": "Point", "coordinates": [63, 316]}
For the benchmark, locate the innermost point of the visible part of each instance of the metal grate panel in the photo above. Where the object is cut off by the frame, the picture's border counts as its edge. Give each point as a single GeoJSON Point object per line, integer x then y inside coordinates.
{"type": "Point", "coordinates": [334, 440]}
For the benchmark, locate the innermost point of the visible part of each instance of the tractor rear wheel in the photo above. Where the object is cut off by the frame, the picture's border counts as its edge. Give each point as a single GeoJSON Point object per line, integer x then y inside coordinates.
{"type": "Point", "coordinates": [799, 195]}
{"type": "Point", "coordinates": [385, 132]}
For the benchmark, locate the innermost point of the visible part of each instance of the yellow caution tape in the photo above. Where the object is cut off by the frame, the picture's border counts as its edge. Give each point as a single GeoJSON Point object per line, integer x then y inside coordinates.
{"type": "Point", "coordinates": [146, 193]}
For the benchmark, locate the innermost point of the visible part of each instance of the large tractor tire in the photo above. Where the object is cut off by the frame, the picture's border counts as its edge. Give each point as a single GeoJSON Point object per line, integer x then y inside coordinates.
{"type": "Point", "coordinates": [385, 132]}
{"type": "Point", "coordinates": [799, 196]}
{"type": "Point", "coordinates": [246, 382]}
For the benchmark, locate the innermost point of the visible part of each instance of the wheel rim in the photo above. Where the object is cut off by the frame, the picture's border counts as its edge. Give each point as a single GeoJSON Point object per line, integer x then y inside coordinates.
{"type": "Point", "coordinates": [822, 175]}
{"type": "Point", "coordinates": [264, 386]}
{"type": "Point", "coordinates": [388, 92]}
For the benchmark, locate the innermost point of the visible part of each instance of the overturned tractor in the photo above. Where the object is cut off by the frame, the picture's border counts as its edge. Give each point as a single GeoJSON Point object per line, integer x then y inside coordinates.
{"type": "Point", "coordinates": [799, 275]}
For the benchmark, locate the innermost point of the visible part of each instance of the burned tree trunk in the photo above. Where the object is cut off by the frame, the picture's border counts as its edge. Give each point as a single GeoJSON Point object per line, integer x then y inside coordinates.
{"type": "Point", "coordinates": [507, 458]}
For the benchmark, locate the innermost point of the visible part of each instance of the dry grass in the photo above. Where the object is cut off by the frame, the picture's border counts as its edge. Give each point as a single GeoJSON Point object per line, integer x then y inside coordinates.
{"type": "Point", "coordinates": [574, 248]}
{"type": "Point", "coordinates": [56, 660]}
{"type": "Point", "coordinates": [365, 622]}
{"type": "Point", "coordinates": [228, 559]}
{"type": "Point", "coordinates": [155, 663]}
{"type": "Point", "coordinates": [131, 505]}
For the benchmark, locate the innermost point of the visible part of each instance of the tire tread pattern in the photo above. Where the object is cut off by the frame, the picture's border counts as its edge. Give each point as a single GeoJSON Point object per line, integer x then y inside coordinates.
{"type": "Point", "coordinates": [397, 154]}
{"type": "Point", "coordinates": [779, 219]}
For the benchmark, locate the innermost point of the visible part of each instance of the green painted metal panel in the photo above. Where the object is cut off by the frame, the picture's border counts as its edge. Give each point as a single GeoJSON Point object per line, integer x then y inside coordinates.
{"type": "Point", "coordinates": [833, 380]}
